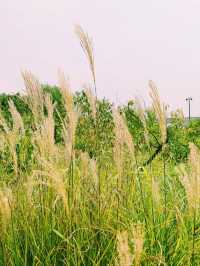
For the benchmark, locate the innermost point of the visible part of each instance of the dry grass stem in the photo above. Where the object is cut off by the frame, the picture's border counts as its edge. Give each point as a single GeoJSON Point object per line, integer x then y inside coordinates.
{"type": "Point", "coordinates": [138, 240]}
{"type": "Point", "coordinates": [35, 95]}
{"type": "Point", "coordinates": [44, 135]}
{"type": "Point", "coordinates": [191, 179]}
{"type": "Point", "coordinates": [142, 116]}
{"type": "Point", "coordinates": [122, 134]}
{"type": "Point", "coordinates": [124, 255]}
{"type": "Point", "coordinates": [160, 111]}
{"type": "Point", "coordinates": [6, 201]}
{"type": "Point", "coordinates": [86, 44]}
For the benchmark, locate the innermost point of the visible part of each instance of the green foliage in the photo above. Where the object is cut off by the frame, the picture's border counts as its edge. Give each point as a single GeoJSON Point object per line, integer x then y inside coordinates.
{"type": "Point", "coordinates": [105, 128]}
{"type": "Point", "coordinates": [152, 128]}
{"type": "Point", "coordinates": [85, 130]}
{"type": "Point", "coordinates": [67, 210]}
{"type": "Point", "coordinates": [193, 132]}
{"type": "Point", "coordinates": [89, 127]}
{"type": "Point", "coordinates": [179, 133]}
{"type": "Point", "coordinates": [134, 124]}
{"type": "Point", "coordinates": [21, 106]}
{"type": "Point", "coordinates": [177, 139]}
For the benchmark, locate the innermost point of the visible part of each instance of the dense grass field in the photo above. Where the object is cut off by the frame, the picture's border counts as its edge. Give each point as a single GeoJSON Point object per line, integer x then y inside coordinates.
{"type": "Point", "coordinates": [99, 185]}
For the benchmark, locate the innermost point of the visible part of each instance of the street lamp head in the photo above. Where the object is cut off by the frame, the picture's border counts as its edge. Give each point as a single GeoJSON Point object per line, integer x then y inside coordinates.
{"type": "Point", "coordinates": [189, 99]}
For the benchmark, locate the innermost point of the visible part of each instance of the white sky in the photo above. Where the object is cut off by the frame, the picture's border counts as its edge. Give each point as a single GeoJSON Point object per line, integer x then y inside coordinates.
{"type": "Point", "coordinates": [134, 41]}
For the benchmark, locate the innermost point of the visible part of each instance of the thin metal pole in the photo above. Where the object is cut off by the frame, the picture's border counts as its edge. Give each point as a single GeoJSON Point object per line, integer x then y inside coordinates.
{"type": "Point", "coordinates": [189, 110]}
{"type": "Point", "coordinates": [189, 99]}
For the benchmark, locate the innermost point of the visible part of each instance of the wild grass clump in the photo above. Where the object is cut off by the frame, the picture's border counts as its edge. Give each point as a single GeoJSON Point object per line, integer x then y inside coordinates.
{"type": "Point", "coordinates": [110, 202]}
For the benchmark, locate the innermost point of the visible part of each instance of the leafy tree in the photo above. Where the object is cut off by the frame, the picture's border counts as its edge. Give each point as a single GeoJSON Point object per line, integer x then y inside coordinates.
{"type": "Point", "coordinates": [177, 138]}
{"type": "Point", "coordinates": [92, 130]}
{"type": "Point", "coordinates": [134, 124]}
{"type": "Point", "coordinates": [94, 134]}
{"type": "Point", "coordinates": [85, 131]}
{"type": "Point", "coordinates": [193, 132]}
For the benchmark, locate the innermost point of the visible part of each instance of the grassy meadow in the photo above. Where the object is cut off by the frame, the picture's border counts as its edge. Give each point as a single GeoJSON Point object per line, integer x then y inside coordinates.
{"type": "Point", "coordinates": [83, 182]}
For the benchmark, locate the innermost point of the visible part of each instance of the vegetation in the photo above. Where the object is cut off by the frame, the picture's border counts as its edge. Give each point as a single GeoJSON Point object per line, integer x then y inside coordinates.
{"type": "Point", "coordinates": [84, 182]}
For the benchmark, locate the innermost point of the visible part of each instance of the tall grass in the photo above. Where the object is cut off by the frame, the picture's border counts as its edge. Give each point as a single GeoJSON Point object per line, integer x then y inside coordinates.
{"type": "Point", "coordinates": [67, 208]}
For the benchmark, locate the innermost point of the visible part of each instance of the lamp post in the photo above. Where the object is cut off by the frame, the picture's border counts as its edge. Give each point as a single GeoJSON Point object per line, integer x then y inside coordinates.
{"type": "Point", "coordinates": [189, 99]}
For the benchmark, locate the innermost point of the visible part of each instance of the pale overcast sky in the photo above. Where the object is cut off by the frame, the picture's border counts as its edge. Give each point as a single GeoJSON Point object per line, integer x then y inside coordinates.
{"type": "Point", "coordinates": [134, 41]}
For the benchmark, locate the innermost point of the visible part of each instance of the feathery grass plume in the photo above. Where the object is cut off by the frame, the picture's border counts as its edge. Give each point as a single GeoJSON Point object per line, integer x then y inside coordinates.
{"type": "Point", "coordinates": [189, 186]}
{"type": "Point", "coordinates": [141, 114]}
{"type": "Point", "coordinates": [160, 111]}
{"type": "Point", "coordinates": [70, 123]}
{"type": "Point", "coordinates": [123, 136]}
{"type": "Point", "coordinates": [18, 125]}
{"type": "Point", "coordinates": [89, 170]}
{"type": "Point", "coordinates": [118, 148]}
{"type": "Point", "coordinates": [86, 44]}
{"type": "Point", "coordinates": [178, 114]}
{"type": "Point", "coordinates": [5, 130]}
{"type": "Point", "coordinates": [35, 94]}
{"type": "Point", "coordinates": [191, 179]}
{"type": "Point", "coordinates": [124, 255]}
{"type": "Point", "coordinates": [84, 157]}
{"type": "Point", "coordinates": [16, 133]}
{"type": "Point", "coordinates": [191, 183]}
{"type": "Point", "coordinates": [138, 240]}
{"type": "Point", "coordinates": [44, 135]}
{"type": "Point", "coordinates": [118, 158]}
{"type": "Point", "coordinates": [55, 178]}
{"type": "Point", "coordinates": [13, 134]}
{"type": "Point", "coordinates": [69, 130]}
{"type": "Point", "coordinates": [64, 86]}
{"type": "Point", "coordinates": [91, 100]}
{"type": "Point", "coordinates": [6, 201]}
{"type": "Point", "coordinates": [3, 124]}
{"type": "Point", "coordinates": [194, 161]}
{"type": "Point", "coordinates": [30, 185]}
{"type": "Point", "coordinates": [89, 181]}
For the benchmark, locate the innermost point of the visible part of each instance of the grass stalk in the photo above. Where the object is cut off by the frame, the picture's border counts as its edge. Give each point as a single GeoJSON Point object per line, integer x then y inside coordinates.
{"type": "Point", "coordinates": [193, 237]}
{"type": "Point", "coordinates": [165, 206]}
